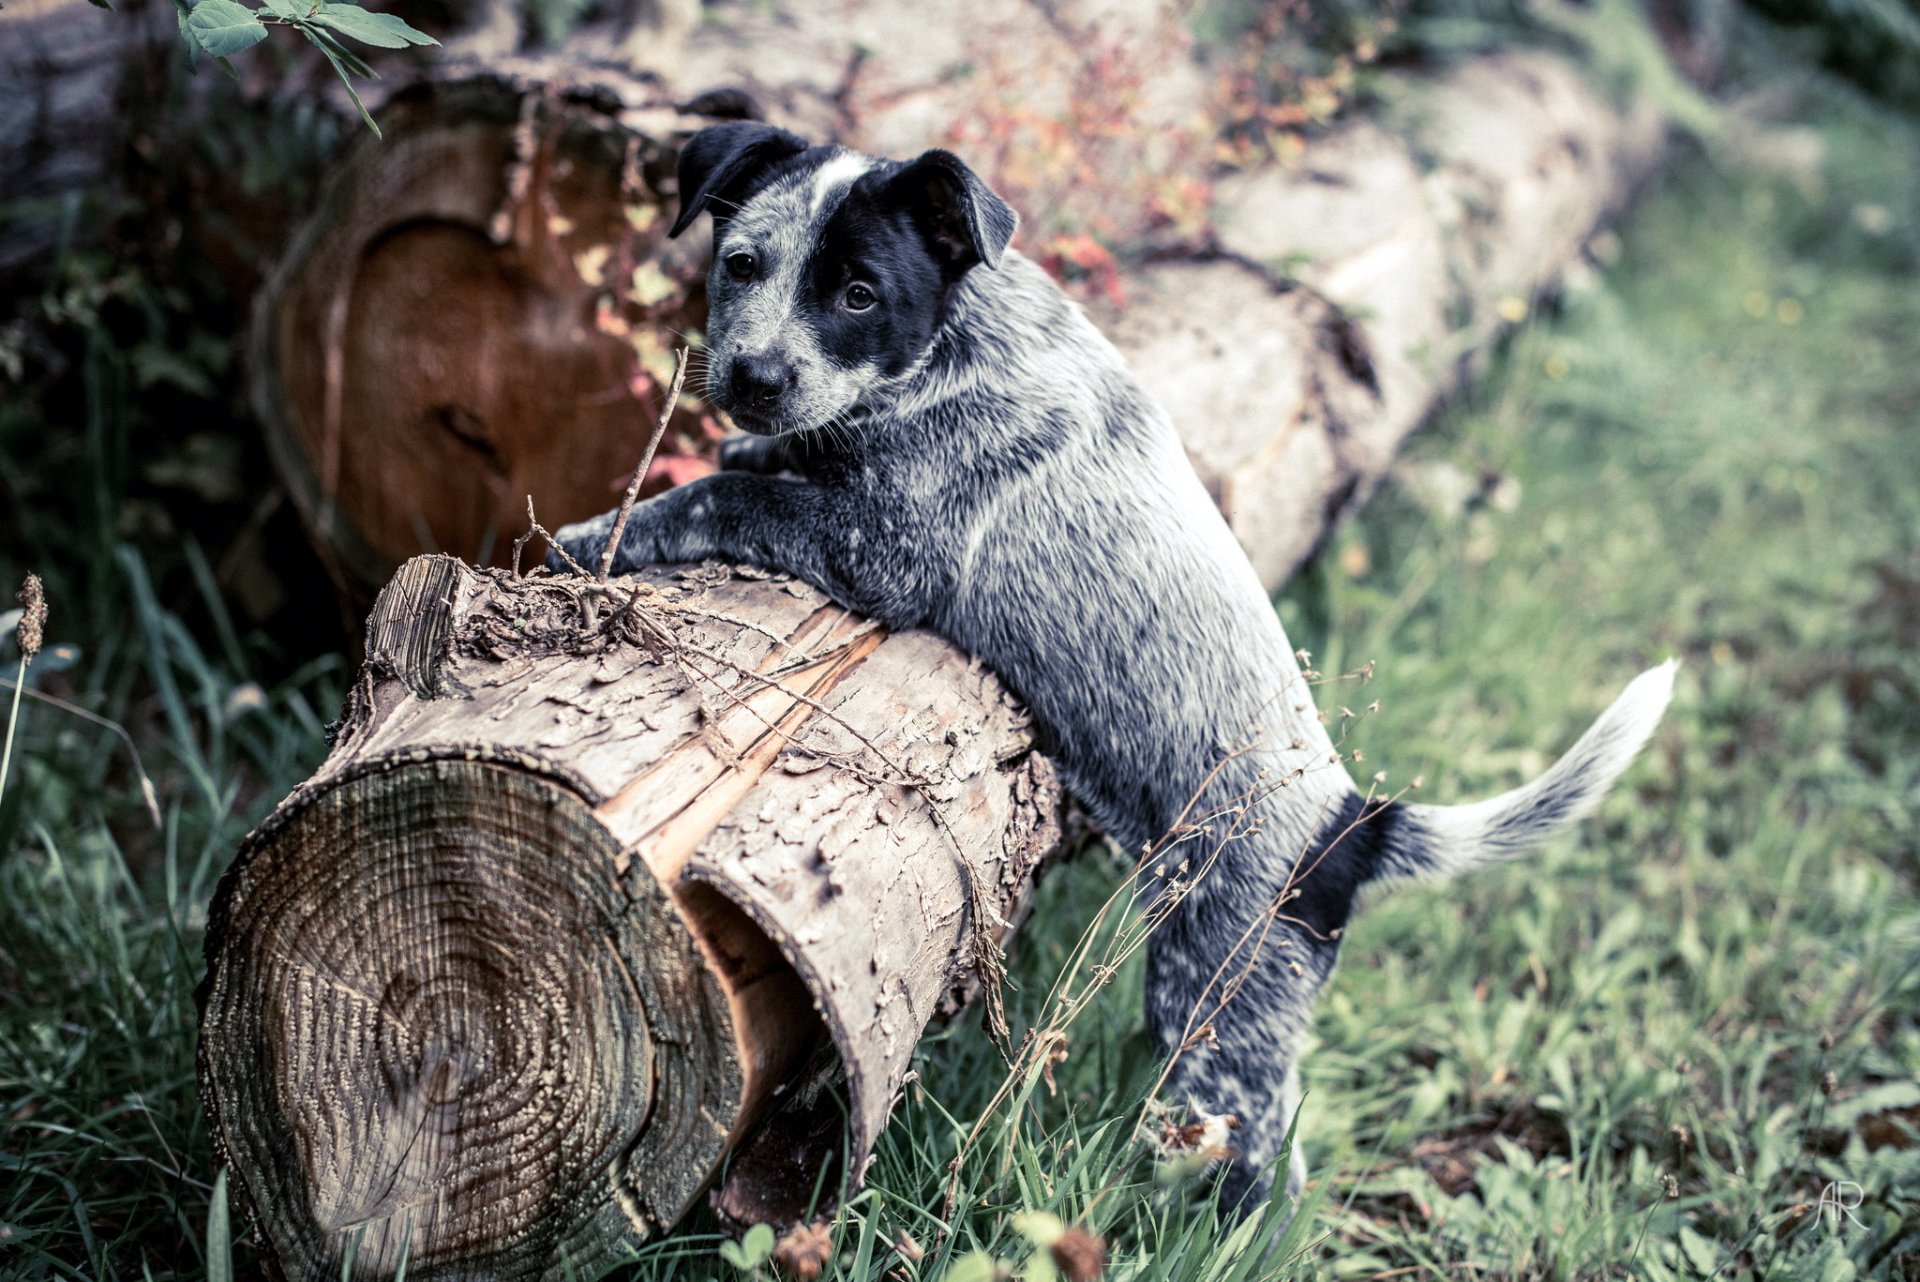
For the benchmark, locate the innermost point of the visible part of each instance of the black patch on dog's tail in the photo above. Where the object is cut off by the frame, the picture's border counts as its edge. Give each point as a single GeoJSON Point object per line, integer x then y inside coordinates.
{"type": "Point", "coordinates": [1346, 854]}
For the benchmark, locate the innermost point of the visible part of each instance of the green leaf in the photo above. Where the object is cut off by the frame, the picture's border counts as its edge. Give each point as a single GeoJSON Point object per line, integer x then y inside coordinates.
{"type": "Point", "coordinates": [1703, 1255]}
{"type": "Point", "coordinates": [730, 1252]}
{"type": "Point", "coordinates": [219, 1235]}
{"type": "Point", "coordinates": [334, 54]}
{"type": "Point", "coordinates": [193, 46]}
{"type": "Point", "coordinates": [757, 1245]}
{"type": "Point", "coordinates": [382, 29]}
{"type": "Point", "coordinates": [974, 1266]}
{"type": "Point", "coordinates": [288, 9]}
{"type": "Point", "coordinates": [352, 61]}
{"type": "Point", "coordinates": [223, 27]}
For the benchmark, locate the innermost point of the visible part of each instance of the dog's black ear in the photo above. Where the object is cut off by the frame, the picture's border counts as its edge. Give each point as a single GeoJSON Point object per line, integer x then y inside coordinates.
{"type": "Point", "coordinates": [720, 165]}
{"type": "Point", "coordinates": [964, 222]}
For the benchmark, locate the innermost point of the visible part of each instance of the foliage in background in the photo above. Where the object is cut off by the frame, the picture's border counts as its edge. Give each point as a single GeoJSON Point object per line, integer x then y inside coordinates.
{"type": "Point", "coordinates": [221, 28]}
{"type": "Point", "coordinates": [1286, 67]}
{"type": "Point", "coordinates": [1875, 43]}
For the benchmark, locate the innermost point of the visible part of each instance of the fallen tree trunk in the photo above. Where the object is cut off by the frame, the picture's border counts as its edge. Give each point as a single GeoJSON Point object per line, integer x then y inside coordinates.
{"type": "Point", "coordinates": [599, 885]}
{"type": "Point", "coordinates": [1350, 297]}
{"type": "Point", "coordinates": [471, 318]}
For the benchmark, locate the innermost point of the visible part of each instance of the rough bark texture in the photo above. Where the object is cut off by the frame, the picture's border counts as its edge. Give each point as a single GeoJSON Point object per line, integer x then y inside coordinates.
{"type": "Point", "coordinates": [1353, 295]}
{"type": "Point", "coordinates": [597, 886]}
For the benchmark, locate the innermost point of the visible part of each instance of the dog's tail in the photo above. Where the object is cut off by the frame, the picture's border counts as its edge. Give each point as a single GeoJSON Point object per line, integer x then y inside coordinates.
{"type": "Point", "coordinates": [1438, 841]}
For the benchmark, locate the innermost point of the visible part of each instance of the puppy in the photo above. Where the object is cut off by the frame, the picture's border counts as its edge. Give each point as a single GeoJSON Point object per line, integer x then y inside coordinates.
{"type": "Point", "coordinates": [941, 439]}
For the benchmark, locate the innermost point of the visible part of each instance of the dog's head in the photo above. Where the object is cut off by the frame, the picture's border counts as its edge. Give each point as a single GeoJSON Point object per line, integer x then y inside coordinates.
{"type": "Point", "coordinates": [832, 271]}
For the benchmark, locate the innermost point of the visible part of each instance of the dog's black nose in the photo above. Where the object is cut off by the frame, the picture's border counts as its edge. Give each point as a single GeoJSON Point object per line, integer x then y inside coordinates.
{"type": "Point", "coordinates": [760, 381]}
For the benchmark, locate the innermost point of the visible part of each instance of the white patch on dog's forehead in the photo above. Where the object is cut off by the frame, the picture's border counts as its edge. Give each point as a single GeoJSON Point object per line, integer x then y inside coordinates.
{"type": "Point", "coordinates": [836, 174]}
{"type": "Point", "coordinates": [782, 226]}
{"type": "Point", "coordinates": [792, 210]}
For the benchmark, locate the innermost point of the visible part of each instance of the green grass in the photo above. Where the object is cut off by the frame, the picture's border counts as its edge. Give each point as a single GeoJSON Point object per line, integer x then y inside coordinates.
{"type": "Point", "coordinates": [1605, 1062]}
{"type": "Point", "coordinates": [1715, 455]}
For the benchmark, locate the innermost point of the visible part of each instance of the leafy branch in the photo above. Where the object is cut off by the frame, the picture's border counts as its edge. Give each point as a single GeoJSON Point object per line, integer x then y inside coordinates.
{"type": "Point", "coordinates": [222, 28]}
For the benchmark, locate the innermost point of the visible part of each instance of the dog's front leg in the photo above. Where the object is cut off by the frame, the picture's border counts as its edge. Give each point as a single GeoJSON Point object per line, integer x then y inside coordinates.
{"type": "Point", "coordinates": [798, 527]}
{"type": "Point", "coordinates": [768, 521]}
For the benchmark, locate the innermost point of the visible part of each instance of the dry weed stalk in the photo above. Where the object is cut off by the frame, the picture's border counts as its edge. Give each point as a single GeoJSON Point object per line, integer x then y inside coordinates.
{"type": "Point", "coordinates": [646, 462]}
{"type": "Point", "coordinates": [31, 630]}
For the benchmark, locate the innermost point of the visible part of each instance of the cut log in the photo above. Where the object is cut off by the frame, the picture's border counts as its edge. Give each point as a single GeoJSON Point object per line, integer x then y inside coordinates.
{"type": "Point", "coordinates": [599, 885]}
{"type": "Point", "coordinates": [482, 308]}
{"type": "Point", "coordinates": [1356, 293]}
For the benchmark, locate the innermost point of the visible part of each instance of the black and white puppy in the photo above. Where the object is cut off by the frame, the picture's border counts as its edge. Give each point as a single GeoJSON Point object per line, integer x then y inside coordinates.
{"type": "Point", "coordinates": [942, 439]}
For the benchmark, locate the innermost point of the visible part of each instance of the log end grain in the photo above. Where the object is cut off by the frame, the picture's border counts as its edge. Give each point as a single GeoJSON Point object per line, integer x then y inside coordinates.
{"type": "Point", "coordinates": [490, 1056]}
{"type": "Point", "coordinates": [601, 885]}
{"type": "Point", "coordinates": [478, 310]}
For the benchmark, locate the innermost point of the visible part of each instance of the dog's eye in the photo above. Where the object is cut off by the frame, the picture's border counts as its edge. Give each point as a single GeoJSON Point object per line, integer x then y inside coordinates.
{"type": "Point", "coordinates": [859, 298]}
{"type": "Point", "coordinates": [740, 265]}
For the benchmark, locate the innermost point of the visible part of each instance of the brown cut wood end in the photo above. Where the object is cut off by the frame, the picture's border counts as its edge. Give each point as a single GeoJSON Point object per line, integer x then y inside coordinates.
{"type": "Point", "coordinates": [438, 1026]}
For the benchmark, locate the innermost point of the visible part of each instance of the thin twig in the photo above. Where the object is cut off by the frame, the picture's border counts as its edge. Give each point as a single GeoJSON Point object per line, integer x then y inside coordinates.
{"type": "Point", "coordinates": [646, 462]}
{"type": "Point", "coordinates": [534, 527]}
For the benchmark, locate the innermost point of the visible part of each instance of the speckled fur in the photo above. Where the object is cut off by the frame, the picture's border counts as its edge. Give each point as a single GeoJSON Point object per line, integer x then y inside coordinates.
{"type": "Point", "coordinates": [1015, 489]}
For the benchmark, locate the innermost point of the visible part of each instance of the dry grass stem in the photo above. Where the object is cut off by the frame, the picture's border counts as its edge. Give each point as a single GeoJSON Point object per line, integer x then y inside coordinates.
{"type": "Point", "coordinates": [30, 631]}
{"type": "Point", "coordinates": [646, 461]}
{"type": "Point", "coordinates": [148, 793]}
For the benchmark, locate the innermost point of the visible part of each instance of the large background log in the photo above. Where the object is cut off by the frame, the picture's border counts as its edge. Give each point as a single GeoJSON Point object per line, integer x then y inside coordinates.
{"type": "Point", "coordinates": [1357, 292]}
{"type": "Point", "coordinates": [589, 877]}
{"type": "Point", "coordinates": [1315, 315]}
{"type": "Point", "coordinates": [481, 309]}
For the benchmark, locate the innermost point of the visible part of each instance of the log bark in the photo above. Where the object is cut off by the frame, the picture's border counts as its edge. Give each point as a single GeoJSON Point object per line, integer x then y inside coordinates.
{"type": "Point", "coordinates": [598, 886]}
{"type": "Point", "coordinates": [1350, 297]}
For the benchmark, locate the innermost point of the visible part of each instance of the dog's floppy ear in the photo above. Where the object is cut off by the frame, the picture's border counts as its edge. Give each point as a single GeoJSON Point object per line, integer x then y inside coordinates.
{"type": "Point", "coordinates": [720, 164]}
{"type": "Point", "coordinates": [963, 221]}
